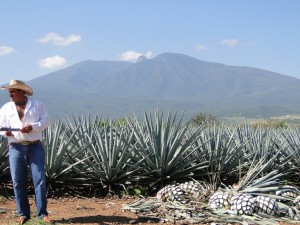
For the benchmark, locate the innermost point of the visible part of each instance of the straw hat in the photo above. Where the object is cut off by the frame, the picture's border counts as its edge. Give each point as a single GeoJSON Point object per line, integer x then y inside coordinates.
{"type": "Point", "coordinates": [17, 84]}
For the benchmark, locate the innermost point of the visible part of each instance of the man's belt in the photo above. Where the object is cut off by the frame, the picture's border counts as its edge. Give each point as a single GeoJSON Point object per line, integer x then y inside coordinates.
{"type": "Point", "coordinates": [26, 142]}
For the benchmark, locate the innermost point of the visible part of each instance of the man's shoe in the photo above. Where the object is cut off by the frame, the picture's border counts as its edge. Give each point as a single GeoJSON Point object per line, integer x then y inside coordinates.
{"type": "Point", "coordinates": [22, 220]}
{"type": "Point", "coordinates": [46, 219]}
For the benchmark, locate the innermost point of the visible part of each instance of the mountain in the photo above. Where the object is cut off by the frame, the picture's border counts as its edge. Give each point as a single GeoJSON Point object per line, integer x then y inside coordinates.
{"type": "Point", "coordinates": [168, 81]}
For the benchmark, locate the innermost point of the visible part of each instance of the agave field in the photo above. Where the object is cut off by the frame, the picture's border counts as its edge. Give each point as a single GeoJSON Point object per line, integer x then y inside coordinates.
{"type": "Point", "coordinates": [233, 167]}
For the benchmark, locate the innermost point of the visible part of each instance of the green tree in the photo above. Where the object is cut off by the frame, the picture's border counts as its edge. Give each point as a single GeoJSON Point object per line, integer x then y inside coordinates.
{"type": "Point", "coordinates": [202, 118]}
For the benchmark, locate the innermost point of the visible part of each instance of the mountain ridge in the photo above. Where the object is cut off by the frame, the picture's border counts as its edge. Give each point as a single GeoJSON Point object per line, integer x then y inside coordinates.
{"type": "Point", "coordinates": [168, 81]}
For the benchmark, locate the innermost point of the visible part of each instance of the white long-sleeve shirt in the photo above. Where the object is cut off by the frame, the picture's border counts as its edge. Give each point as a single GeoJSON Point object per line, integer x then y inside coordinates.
{"type": "Point", "coordinates": [35, 114]}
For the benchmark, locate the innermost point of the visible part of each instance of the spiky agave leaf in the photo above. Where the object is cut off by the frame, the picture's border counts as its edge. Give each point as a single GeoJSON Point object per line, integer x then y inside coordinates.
{"type": "Point", "coordinates": [113, 158]}
{"type": "Point", "coordinates": [4, 167]}
{"type": "Point", "coordinates": [223, 152]}
{"type": "Point", "coordinates": [263, 142]}
{"type": "Point", "coordinates": [258, 179]}
{"type": "Point", "coordinates": [290, 138]}
{"type": "Point", "coordinates": [165, 146]}
{"type": "Point", "coordinates": [62, 153]}
{"type": "Point", "coordinates": [289, 191]}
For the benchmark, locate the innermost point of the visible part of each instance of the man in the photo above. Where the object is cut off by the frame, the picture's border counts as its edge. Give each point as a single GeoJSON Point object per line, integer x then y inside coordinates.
{"type": "Point", "coordinates": [25, 147]}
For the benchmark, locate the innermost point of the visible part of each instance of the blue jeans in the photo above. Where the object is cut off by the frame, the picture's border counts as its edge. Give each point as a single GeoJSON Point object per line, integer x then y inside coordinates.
{"type": "Point", "coordinates": [21, 156]}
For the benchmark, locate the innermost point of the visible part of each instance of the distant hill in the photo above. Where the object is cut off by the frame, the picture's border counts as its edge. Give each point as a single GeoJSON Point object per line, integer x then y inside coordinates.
{"type": "Point", "coordinates": [168, 81]}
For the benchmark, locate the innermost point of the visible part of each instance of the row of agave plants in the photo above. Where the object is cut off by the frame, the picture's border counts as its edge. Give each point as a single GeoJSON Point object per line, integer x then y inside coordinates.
{"type": "Point", "coordinates": [92, 153]}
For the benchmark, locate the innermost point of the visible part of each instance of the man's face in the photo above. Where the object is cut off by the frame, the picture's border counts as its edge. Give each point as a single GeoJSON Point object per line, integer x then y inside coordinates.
{"type": "Point", "coordinates": [16, 95]}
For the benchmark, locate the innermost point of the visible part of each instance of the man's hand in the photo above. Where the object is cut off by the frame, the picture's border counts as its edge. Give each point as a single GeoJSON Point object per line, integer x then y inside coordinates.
{"type": "Point", "coordinates": [26, 129]}
{"type": "Point", "coordinates": [9, 133]}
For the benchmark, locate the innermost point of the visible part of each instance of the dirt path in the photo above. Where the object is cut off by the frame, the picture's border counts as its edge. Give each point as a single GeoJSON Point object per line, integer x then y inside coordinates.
{"type": "Point", "coordinates": [76, 211]}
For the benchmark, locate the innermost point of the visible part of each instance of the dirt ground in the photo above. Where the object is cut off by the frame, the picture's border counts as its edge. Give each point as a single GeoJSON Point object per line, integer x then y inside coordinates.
{"type": "Point", "coordinates": [75, 211]}
{"type": "Point", "coordinates": [88, 211]}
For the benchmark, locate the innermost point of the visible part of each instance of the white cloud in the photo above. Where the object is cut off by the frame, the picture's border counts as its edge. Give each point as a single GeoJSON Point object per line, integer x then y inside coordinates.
{"type": "Point", "coordinates": [200, 46]}
{"type": "Point", "coordinates": [133, 55]}
{"type": "Point", "coordinates": [4, 50]}
{"type": "Point", "coordinates": [59, 40]}
{"type": "Point", "coordinates": [229, 42]}
{"type": "Point", "coordinates": [52, 62]}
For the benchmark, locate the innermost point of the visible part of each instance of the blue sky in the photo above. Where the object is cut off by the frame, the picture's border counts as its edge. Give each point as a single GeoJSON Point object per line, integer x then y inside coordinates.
{"type": "Point", "coordinates": [39, 37]}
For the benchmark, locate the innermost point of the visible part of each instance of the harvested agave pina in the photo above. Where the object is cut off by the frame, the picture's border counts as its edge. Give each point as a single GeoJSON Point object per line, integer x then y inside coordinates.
{"type": "Point", "coordinates": [288, 191]}
{"type": "Point", "coordinates": [266, 205]}
{"type": "Point", "coordinates": [243, 204]}
{"type": "Point", "coordinates": [220, 200]}
{"type": "Point", "coordinates": [297, 202]}
{"type": "Point", "coordinates": [172, 193]}
{"type": "Point", "coordinates": [193, 188]}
